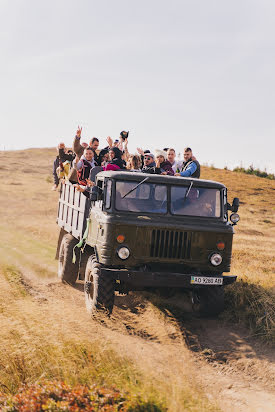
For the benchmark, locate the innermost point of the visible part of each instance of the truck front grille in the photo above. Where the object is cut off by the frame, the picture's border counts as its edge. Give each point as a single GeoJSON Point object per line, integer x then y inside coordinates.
{"type": "Point", "coordinates": [171, 244]}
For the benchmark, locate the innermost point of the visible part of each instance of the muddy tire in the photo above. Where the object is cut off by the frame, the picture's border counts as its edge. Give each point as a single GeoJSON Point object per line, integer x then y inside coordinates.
{"type": "Point", "coordinates": [99, 289]}
{"type": "Point", "coordinates": [67, 270]}
{"type": "Point", "coordinates": [209, 301]}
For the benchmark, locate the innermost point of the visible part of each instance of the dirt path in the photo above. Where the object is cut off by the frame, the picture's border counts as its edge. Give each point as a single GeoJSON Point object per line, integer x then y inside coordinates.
{"type": "Point", "coordinates": [234, 370]}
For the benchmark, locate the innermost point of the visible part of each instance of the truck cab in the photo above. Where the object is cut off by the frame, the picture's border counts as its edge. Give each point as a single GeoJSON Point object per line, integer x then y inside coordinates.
{"type": "Point", "coordinates": [139, 231]}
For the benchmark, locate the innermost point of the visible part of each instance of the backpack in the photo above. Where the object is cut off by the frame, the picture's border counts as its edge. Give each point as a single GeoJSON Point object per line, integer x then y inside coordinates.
{"type": "Point", "coordinates": [83, 172]}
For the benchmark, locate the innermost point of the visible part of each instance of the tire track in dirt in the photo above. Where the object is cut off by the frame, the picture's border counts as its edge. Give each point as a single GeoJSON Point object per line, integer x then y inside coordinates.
{"type": "Point", "coordinates": [233, 368]}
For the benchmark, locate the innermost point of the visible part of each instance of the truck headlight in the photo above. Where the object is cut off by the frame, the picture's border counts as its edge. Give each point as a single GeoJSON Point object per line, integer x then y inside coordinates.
{"type": "Point", "coordinates": [216, 259]}
{"type": "Point", "coordinates": [234, 218]}
{"type": "Point", "coordinates": [123, 253]}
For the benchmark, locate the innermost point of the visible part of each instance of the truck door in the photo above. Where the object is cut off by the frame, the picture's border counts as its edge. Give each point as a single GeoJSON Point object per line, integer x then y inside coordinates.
{"type": "Point", "coordinates": [96, 211]}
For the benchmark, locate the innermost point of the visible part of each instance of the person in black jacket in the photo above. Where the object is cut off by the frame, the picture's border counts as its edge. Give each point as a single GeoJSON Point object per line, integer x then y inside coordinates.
{"type": "Point", "coordinates": [150, 164]}
{"type": "Point", "coordinates": [116, 158]}
{"type": "Point", "coordinates": [65, 154]}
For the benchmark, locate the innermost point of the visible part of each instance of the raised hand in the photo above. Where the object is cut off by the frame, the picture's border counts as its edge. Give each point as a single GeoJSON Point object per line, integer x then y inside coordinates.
{"type": "Point", "coordinates": [120, 145]}
{"type": "Point", "coordinates": [157, 162]}
{"type": "Point", "coordinates": [79, 188]}
{"type": "Point", "coordinates": [78, 132]}
{"type": "Point", "coordinates": [109, 141]}
{"type": "Point", "coordinates": [90, 183]}
{"type": "Point", "coordinates": [140, 151]}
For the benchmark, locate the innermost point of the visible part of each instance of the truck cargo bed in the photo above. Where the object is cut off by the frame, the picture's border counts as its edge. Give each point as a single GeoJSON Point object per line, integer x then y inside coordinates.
{"type": "Point", "coordinates": [73, 210]}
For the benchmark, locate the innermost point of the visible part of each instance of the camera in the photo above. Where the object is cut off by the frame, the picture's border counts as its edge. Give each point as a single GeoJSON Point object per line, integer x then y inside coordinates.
{"type": "Point", "coordinates": [124, 135]}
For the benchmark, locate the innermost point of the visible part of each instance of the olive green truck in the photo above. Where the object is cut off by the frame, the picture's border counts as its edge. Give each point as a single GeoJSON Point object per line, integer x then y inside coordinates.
{"type": "Point", "coordinates": [137, 231]}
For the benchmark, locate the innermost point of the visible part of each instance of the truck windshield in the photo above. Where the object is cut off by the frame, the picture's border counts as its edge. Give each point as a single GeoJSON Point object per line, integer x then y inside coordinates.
{"type": "Point", "coordinates": [199, 201]}
{"type": "Point", "coordinates": [148, 197]}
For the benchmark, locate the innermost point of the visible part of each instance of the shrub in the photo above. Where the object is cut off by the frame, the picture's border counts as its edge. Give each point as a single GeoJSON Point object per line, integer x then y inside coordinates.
{"type": "Point", "coordinates": [252, 171]}
{"type": "Point", "coordinates": [57, 396]}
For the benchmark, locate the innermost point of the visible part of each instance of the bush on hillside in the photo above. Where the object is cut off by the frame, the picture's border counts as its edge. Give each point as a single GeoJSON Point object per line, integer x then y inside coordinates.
{"type": "Point", "coordinates": [252, 171]}
{"type": "Point", "coordinates": [56, 396]}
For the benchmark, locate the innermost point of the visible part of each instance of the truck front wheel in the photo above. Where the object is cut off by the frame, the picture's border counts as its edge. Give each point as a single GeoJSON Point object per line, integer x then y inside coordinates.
{"type": "Point", "coordinates": [67, 270]}
{"type": "Point", "coordinates": [208, 301]}
{"type": "Point", "coordinates": [99, 289]}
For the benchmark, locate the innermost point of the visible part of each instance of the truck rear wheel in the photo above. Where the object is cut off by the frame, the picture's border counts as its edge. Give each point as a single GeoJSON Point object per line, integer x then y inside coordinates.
{"type": "Point", "coordinates": [67, 270]}
{"type": "Point", "coordinates": [99, 289]}
{"type": "Point", "coordinates": [208, 301]}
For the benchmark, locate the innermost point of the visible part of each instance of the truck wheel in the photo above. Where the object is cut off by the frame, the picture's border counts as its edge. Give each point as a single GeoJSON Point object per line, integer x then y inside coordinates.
{"type": "Point", "coordinates": [99, 289]}
{"type": "Point", "coordinates": [67, 270]}
{"type": "Point", "coordinates": [208, 301]}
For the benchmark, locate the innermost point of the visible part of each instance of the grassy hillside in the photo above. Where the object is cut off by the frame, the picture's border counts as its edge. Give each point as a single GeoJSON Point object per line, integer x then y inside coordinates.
{"type": "Point", "coordinates": [44, 344]}
{"type": "Point", "coordinates": [252, 299]}
{"type": "Point", "coordinates": [29, 209]}
{"type": "Point", "coordinates": [29, 229]}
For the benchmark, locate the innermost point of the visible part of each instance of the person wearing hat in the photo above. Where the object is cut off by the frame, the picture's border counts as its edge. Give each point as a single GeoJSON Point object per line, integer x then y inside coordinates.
{"type": "Point", "coordinates": [163, 166]}
{"type": "Point", "coordinates": [116, 162]}
{"type": "Point", "coordinates": [149, 164]}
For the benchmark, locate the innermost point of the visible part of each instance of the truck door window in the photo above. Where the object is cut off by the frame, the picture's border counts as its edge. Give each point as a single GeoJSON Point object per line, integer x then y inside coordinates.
{"type": "Point", "coordinates": [148, 197]}
{"type": "Point", "coordinates": [99, 200]}
{"type": "Point", "coordinates": [108, 194]}
{"type": "Point", "coordinates": [205, 202]}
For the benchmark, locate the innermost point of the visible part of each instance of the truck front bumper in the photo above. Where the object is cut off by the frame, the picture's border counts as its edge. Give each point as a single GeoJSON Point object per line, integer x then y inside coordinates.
{"type": "Point", "coordinates": [141, 279]}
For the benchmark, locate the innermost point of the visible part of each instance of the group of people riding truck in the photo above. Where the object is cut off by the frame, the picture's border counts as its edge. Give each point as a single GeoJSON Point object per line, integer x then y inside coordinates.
{"type": "Point", "coordinates": [76, 164]}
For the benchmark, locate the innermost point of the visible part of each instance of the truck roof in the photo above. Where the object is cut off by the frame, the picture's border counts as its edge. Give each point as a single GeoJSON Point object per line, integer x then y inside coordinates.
{"type": "Point", "coordinates": [161, 179]}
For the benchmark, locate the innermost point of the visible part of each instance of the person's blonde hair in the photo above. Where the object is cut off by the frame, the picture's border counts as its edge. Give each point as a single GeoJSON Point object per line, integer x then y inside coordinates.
{"type": "Point", "coordinates": [134, 162]}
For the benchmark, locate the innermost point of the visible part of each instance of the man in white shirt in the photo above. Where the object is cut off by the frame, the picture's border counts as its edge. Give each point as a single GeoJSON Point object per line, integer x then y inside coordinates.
{"type": "Point", "coordinates": [171, 156]}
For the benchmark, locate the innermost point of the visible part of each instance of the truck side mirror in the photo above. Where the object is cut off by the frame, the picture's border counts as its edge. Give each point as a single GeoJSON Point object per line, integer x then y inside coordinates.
{"type": "Point", "coordinates": [235, 205]}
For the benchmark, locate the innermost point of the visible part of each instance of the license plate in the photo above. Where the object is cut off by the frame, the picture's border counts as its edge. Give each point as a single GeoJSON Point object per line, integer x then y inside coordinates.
{"type": "Point", "coordinates": [205, 280]}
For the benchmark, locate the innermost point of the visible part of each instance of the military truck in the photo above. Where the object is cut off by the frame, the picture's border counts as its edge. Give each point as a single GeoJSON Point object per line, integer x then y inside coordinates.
{"type": "Point", "coordinates": [137, 231]}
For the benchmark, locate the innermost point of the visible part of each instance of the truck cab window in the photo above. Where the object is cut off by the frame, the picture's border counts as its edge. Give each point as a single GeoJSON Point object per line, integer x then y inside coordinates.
{"type": "Point", "coordinates": [108, 194]}
{"type": "Point", "coordinates": [204, 202]}
{"type": "Point", "coordinates": [99, 200]}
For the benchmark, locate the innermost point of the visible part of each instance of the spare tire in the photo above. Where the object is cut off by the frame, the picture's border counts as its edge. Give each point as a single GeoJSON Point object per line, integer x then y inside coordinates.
{"type": "Point", "coordinates": [67, 270]}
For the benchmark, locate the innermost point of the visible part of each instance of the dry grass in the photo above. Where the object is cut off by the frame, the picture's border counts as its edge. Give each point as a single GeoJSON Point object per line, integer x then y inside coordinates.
{"type": "Point", "coordinates": [36, 343]}
{"type": "Point", "coordinates": [29, 209]}
{"type": "Point", "coordinates": [32, 349]}
{"type": "Point", "coordinates": [252, 300]}
{"type": "Point", "coordinates": [40, 342]}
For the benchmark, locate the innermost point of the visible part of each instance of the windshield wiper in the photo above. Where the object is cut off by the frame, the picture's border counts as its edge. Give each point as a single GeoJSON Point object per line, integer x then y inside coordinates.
{"type": "Point", "coordinates": [134, 188]}
{"type": "Point", "coordinates": [187, 193]}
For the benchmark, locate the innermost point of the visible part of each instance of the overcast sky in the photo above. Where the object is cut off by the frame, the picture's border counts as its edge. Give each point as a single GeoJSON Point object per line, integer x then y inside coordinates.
{"type": "Point", "coordinates": [177, 73]}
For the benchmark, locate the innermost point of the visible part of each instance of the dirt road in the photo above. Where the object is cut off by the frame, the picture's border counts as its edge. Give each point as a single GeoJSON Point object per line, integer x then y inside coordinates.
{"type": "Point", "coordinates": [235, 370]}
